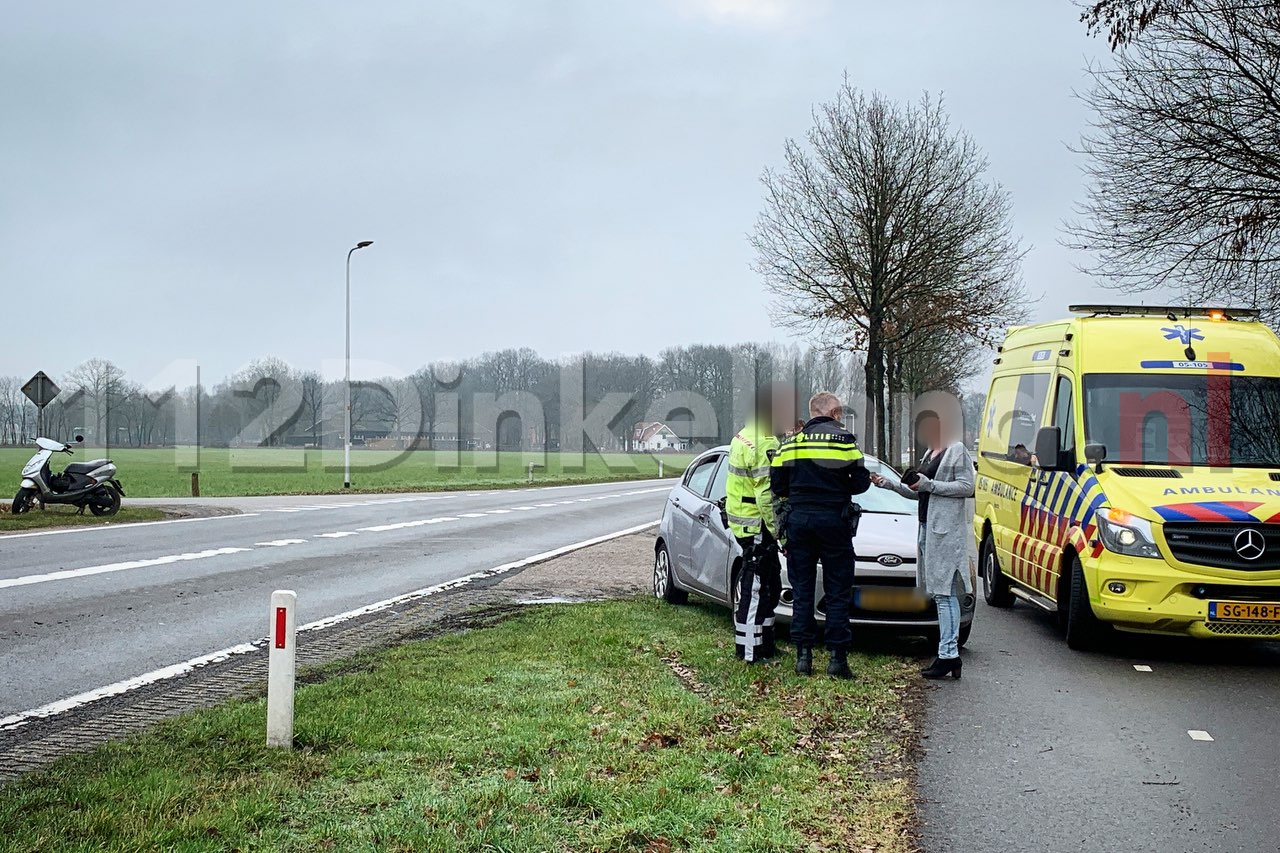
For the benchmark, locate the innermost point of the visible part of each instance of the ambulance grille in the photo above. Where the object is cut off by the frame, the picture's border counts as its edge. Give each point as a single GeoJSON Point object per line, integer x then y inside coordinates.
{"type": "Point", "coordinates": [1208, 544]}
{"type": "Point", "coordinates": [1165, 473]}
{"type": "Point", "coordinates": [1244, 629]}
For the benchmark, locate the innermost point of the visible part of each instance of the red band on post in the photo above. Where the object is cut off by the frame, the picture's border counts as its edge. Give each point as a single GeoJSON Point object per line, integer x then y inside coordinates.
{"type": "Point", "coordinates": [280, 622]}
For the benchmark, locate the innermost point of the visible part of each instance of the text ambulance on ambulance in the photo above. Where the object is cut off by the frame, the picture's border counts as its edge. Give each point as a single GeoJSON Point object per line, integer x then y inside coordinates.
{"type": "Point", "coordinates": [1129, 473]}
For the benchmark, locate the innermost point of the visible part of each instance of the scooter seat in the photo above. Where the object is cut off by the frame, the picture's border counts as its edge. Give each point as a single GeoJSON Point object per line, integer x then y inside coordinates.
{"type": "Point", "coordinates": [86, 467]}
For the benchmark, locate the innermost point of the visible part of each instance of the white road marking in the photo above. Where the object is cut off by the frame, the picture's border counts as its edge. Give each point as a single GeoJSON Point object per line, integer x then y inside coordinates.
{"type": "Point", "coordinates": [177, 670]}
{"type": "Point", "coordinates": [68, 574]}
{"type": "Point", "coordinates": [472, 515]}
{"type": "Point", "coordinates": [522, 508]}
{"type": "Point", "coordinates": [14, 721]}
{"type": "Point", "coordinates": [279, 543]}
{"type": "Point", "coordinates": [1142, 667]}
{"type": "Point", "coordinates": [498, 512]}
{"type": "Point", "coordinates": [1197, 734]}
{"type": "Point", "coordinates": [339, 535]}
{"type": "Point", "coordinates": [128, 525]}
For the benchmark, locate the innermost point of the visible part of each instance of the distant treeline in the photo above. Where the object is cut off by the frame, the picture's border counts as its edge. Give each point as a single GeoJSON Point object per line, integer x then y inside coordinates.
{"type": "Point", "coordinates": [511, 399]}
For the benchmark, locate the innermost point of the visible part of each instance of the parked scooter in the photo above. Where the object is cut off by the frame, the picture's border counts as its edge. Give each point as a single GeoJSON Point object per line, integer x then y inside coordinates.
{"type": "Point", "coordinates": [86, 484]}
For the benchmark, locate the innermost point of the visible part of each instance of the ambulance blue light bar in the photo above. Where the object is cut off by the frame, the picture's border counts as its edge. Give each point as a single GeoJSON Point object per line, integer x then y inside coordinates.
{"type": "Point", "coordinates": [1167, 311]}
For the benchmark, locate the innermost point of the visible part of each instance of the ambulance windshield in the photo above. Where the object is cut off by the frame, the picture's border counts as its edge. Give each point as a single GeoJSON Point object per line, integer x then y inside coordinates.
{"type": "Point", "coordinates": [1192, 419]}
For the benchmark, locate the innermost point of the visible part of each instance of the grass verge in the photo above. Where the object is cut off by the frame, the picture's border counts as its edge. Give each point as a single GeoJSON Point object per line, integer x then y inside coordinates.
{"type": "Point", "coordinates": [65, 516]}
{"type": "Point", "coordinates": [597, 727]}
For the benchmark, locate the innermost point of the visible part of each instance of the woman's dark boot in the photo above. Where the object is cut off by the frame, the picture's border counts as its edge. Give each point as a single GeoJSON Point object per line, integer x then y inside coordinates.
{"type": "Point", "coordinates": [838, 667]}
{"type": "Point", "coordinates": [942, 667]}
{"type": "Point", "coordinates": [804, 660]}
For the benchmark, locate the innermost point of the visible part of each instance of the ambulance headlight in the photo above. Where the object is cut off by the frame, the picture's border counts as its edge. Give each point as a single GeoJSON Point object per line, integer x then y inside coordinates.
{"type": "Point", "coordinates": [1125, 533]}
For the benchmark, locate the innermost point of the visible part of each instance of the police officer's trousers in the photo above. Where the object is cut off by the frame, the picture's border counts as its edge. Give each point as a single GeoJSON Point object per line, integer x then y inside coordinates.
{"type": "Point", "coordinates": [759, 588]}
{"type": "Point", "coordinates": [813, 535]}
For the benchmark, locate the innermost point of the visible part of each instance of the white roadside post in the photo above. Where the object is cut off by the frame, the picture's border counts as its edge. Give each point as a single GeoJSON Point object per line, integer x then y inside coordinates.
{"type": "Point", "coordinates": [659, 469]}
{"type": "Point", "coordinates": [281, 661]}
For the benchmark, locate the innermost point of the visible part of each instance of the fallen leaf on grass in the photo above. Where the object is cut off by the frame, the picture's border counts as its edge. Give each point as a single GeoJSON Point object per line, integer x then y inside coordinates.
{"type": "Point", "coordinates": [657, 740]}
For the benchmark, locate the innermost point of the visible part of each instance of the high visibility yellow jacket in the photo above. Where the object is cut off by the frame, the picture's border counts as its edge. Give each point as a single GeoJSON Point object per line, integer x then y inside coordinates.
{"type": "Point", "coordinates": [749, 503]}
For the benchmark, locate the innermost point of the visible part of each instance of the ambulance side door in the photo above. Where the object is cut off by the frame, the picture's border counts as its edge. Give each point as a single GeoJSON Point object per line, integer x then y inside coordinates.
{"type": "Point", "coordinates": [1015, 417]}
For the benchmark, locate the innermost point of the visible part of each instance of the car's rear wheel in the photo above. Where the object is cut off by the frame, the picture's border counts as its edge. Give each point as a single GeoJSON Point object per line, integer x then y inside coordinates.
{"type": "Point", "coordinates": [1085, 631]}
{"type": "Point", "coordinates": [995, 586]}
{"type": "Point", "coordinates": [664, 585]}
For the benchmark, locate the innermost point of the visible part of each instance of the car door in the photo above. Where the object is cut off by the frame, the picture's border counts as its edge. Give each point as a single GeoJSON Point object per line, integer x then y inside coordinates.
{"type": "Point", "coordinates": [689, 503]}
{"type": "Point", "coordinates": [713, 543]}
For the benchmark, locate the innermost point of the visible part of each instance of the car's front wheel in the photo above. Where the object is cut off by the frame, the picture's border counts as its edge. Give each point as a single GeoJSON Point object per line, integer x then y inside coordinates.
{"type": "Point", "coordinates": [664, 585]}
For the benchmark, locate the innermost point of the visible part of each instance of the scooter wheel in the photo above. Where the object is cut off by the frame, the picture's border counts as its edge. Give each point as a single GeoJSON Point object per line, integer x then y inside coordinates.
{"type": "Point", "coordinates": [23, 501]}
{"type": "Point", "coordinates": [105, 501]}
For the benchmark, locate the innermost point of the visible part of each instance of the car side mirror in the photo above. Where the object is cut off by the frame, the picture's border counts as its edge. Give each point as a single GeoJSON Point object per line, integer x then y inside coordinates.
{"type": "Point", "coordinates": [1048, 452]}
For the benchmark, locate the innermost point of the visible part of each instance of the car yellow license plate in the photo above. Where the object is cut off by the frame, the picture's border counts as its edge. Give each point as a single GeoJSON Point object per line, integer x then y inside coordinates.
{"type": "Point", "coordinates": [1243, 611]}
{"type": "Point", "coordinates": [889, 599]}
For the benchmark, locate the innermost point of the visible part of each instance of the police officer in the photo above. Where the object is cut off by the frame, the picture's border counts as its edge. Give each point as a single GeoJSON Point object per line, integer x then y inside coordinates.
{"type": "Point", "coordinates": [749, 506]}
{"type": "Point", "coordinates": [814, 475]}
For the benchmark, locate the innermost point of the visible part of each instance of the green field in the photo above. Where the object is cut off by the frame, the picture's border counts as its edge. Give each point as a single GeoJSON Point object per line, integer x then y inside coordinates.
{"type": "Point", "coordinates": [623, 726]}
{"type": "Point", "coordinates": [159, 473]}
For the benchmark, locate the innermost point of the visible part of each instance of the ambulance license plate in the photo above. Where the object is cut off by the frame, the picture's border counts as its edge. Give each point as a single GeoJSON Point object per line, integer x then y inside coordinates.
{"type": "Point", "coordinates": [1243, 611]}
{"type": "Point", "coordinates": [889, 599]}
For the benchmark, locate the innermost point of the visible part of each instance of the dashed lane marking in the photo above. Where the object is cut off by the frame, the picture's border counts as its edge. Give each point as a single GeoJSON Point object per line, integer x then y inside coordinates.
{"type": "Point", "coordinates": [279, 543]}
{"type": "Point", "coordinates": [68, 574]}
{"type": "Point", "coordinates": [130, 526]}
{"type": "Point", "coordinates": [1197, 734]}
{"type": "Point", "coordinates": [341, 534]}
{"type": "Point", "coordinates": [1142, 667]}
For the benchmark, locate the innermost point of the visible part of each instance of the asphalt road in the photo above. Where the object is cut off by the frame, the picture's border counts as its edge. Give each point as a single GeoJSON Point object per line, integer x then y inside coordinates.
{"type": "Point", "coordinates": [85, 608]}
{"type": "Point", "coordinates": [1039, 748]}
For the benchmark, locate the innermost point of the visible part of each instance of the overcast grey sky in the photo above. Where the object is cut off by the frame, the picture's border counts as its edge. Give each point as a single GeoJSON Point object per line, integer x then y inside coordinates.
{"type": "Point", "coordinates": [183, 180]}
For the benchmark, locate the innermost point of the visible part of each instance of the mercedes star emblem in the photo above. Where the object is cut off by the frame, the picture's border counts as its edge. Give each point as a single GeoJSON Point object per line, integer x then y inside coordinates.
{"type": "Point", "coordinates": [1249, 544]}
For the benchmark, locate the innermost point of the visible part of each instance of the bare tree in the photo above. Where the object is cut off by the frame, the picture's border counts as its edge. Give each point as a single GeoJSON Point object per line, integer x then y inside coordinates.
{"type": "Point", "coordinates": [884, 228]}
{"type": "Point", "coordinates": [100, 386]}
{"type": "Point", "coordinates": [1184, 153]}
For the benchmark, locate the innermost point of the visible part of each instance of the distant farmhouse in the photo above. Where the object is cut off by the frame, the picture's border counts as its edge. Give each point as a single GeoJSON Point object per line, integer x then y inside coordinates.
{"type": "Point", "coordinates": [656, 436]}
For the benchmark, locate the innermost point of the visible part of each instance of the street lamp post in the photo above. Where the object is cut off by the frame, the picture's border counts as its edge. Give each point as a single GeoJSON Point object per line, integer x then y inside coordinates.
{"type": "Point", "coordinates": [346, 456]}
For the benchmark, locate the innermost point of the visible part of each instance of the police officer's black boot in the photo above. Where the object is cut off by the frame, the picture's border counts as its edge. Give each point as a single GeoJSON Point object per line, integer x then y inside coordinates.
{"type": "Point", "coordinates": [838, 667]}
{"type": "Point", "coordinates": [804, 660]}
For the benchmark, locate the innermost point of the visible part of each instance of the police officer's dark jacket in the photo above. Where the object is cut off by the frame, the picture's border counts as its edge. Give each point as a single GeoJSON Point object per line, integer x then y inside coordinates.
{"type": "Point", "coordinates": [819, 467]}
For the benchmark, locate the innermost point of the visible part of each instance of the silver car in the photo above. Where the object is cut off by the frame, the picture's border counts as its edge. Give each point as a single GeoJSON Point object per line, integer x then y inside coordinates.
{"type": "Point", "coordinates": [695, 553]}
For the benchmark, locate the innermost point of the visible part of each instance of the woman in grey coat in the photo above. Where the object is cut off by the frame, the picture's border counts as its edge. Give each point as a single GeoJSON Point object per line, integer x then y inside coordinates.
{"type": "Point", "coordinates": [944, 490]}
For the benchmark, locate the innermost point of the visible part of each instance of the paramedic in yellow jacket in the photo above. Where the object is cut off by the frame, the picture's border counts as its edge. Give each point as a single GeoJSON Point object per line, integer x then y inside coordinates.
{"type": "Point", "coordinates": [749, 506]}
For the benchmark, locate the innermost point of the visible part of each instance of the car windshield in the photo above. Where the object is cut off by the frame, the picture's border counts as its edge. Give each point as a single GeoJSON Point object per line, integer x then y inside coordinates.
{"type": "Point", "coordinates": [872, 500]}
{"type": "Point", "coordinates": [1165, 419]}
{"type": "Point", "coordinates": [876, 499]}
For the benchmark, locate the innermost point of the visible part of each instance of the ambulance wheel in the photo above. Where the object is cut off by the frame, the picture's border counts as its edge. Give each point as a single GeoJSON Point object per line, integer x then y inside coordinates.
{"type": "Point", "coordinates": [1085, 631]}
{"type": "Point", "coordinates": [995, 586]}
{"type": "Point", "coordinates": [664, 585]}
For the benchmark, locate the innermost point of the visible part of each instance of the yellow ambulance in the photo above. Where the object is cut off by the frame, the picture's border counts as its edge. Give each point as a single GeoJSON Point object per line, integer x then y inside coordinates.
{"type": "Point", "coordinates": [1129, 473]}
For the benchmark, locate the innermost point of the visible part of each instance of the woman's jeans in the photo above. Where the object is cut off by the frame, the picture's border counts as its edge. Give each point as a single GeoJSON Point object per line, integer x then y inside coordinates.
{"type": "Point", "coordinates": [948, 626]}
